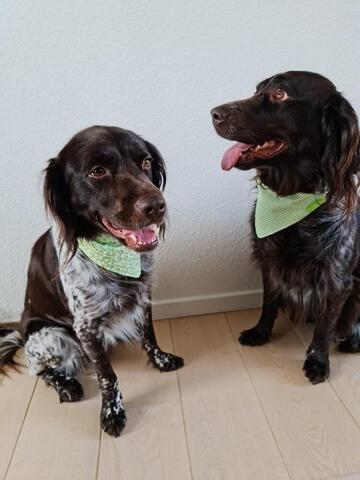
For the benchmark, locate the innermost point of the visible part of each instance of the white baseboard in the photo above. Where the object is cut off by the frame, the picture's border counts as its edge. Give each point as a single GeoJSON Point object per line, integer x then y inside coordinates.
{"type": "Point", "coordinates": [196, 305]}
{"type": "Point", "coordinates": [202, 304]}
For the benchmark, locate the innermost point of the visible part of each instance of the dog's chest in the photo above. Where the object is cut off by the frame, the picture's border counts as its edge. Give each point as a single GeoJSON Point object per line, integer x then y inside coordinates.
{"type": "Point", "coordinates": [307, 261]}
{"type": "Point", "coordinates": [117, 303]}
{"type": "Point", "coordinates": [286, 268]}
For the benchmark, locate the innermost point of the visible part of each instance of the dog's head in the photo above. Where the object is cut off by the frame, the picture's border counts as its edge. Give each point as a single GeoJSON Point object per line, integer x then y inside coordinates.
{"type": "Point", "coordinates": [107, 179]}
{"type": "Point", "coordinates": [298, 131]}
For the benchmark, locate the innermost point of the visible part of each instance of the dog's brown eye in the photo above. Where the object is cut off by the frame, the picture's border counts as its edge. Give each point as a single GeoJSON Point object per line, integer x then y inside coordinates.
{"type": "Point", "coordinates": [97, 172]}
{"type": "Point", "coordinates": [146, 164]}
{"type": "Point", "coordinates": [280, 95]}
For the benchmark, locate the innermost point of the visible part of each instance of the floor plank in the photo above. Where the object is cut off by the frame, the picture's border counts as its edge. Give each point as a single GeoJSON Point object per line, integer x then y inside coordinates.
{"type": "Point", "coordinates": [228, 434]}
{"type": "Point", "coordinates": [15, 394]}
{"type": "Point", "coordinates": [58, 441]}
{"type": "Point", "coordinates": [317, 437]}
{"type": "Point", "coordinates": [153, 444]}
{"type": "Point", "coordinates": [350, 477]}
{"type": "Point", "coordinates": [344, 373]}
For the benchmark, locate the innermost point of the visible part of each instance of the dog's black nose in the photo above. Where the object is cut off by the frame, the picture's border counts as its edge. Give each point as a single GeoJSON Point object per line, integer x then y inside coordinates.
{"type": "Point", "coordinates": [219, 114]}
{"type": "Point", "coordinates": [151, 206]}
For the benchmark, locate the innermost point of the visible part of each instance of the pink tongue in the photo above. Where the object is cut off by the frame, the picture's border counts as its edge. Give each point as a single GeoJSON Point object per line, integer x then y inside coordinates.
{"type": "Point", "coordinates": [146, 235]}
{"type": "Point", "coordinates": [233, 154]}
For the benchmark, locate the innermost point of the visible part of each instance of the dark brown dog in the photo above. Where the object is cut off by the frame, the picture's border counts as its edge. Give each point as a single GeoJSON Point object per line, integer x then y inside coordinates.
{"type": "Point", "coordinates": [301, 135]}
{"type": "Point", "coordinates": [104, 180]}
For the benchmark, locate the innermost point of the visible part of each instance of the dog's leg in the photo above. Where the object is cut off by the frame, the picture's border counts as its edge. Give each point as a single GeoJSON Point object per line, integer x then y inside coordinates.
{"type": "Point", "coordinates": [165, 362]}
{"type": "Point", "coordinates": [260, 334]}
{"type": "Point", "coordinates": [68, 389]}
{"type": "Point", "coordinates": [351, 343]}
{"type": "Point", "coordinates": [316, 365]}
{"type": "Point", "coordinates": [55, 356]}
{"type": "Point", "coordinates": [112, 416]}
{"type": "Point", "coordinates": [348, 326]}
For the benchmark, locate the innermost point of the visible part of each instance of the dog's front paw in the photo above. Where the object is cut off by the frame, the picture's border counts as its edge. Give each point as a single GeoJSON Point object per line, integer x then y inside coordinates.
{"type": "Point", "coordinates": [113, 422]}
{"type": "Point", "coordinates": [165, 362]}
{"type": "Point", "coordinates": [317, 371]}
{"type": "Point", "coordinates": [253, 337]}
{"type": "Point", "coordinates": [70, 391]}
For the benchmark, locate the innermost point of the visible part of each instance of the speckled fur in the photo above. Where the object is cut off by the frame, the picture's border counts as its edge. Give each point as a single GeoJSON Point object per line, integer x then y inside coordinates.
{"type": "Point", "coordinates": [302, 278]}
{"type": "Point", "coordinates": [52, 347]}
{"type": "Point", "coordinates": [312, 268]}
{"type": "Point", "coordinates": [74, 310]}
{"type": "Point", "coordinates": [103, 309]}
{"type": "Point", "coordinates": [94, 293]}
{"type": "Point", "coordinates": [106, 309]}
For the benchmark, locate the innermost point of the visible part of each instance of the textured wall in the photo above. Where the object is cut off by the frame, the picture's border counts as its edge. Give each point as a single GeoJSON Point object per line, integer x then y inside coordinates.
{"type": "Point", "coordinates": [155, 67]}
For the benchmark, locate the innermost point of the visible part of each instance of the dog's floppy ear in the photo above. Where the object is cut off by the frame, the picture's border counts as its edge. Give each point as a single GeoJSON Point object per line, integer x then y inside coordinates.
{"type": "Point", "coordinates": [158, 167]}
{"type": "Point", "coordinates": [158, 174]}
{"type": "Point", "coordinates": [340, 156]}
{"type": "Point", "coordinates": [58, 204]}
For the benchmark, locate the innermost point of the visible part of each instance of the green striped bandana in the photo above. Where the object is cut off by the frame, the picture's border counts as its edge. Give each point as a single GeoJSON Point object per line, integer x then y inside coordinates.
{"type": "Point", "coordinates": [274, 213]}
{"type": "Point", "coordinates": [107, 252]}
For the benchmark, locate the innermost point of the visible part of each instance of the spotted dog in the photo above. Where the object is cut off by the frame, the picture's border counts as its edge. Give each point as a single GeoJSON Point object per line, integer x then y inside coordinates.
{"type": "Point", "coordinates": [105, 184]}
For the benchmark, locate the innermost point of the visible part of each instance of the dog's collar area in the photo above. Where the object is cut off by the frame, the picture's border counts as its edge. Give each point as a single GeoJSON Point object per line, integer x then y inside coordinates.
{"type": "Point", "coordinates": [110, 254]}
{"type": "Point", "coordinates": [274, 213]}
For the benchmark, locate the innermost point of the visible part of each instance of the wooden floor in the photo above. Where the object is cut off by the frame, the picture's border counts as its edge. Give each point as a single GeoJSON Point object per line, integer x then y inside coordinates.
{"type": "Point", "coordinates": [232, 412]}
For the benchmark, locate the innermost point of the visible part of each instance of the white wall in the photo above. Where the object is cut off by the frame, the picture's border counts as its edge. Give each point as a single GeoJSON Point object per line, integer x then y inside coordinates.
{"type": "Point", "coordinates": [156, 67]}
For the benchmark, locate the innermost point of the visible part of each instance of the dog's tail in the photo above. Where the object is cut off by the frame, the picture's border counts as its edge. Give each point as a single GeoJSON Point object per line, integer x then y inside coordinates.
{"type": "Point", "coordinates": [10, 341]}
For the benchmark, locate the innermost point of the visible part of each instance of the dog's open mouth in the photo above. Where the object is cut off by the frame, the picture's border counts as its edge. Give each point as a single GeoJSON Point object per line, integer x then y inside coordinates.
{"type": "Point", "coordinates": [243, 153]}
{"type": "Point", "coordinates": [145, 238]}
